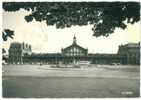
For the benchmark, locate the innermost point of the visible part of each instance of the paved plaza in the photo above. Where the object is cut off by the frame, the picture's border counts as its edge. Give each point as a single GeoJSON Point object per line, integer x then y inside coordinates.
{"type": "Point", "coordinates": [92, 81]}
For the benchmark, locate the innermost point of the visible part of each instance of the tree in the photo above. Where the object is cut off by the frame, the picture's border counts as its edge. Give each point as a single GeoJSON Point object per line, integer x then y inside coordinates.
{"type": "Point", "coordinates": [104, 16]}
{"type": "Point", "coordinates": [7, 33]}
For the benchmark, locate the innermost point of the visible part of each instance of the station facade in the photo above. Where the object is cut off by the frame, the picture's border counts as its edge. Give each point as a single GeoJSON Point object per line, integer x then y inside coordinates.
{"type": "Point", "coordinates": [22, 53]}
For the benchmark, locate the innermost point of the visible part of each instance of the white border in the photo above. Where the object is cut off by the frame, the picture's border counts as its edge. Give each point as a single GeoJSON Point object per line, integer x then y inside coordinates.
{"type": "Point", "coordinates": [68, 0]}
{"type": "Point", "coordinates": [51, 1]}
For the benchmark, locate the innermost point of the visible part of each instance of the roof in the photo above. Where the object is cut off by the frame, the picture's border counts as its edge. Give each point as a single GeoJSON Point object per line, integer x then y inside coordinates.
{"type": "Point", "coordinates": [74, 45]}
{"type": "Point", "coordinates": [133, 45]}
{"type": "Point", "coordinates": [102, 55]}
{"type": "Point", "coordinates": [15, 45]}
{"type": "Point", "coordinates": [45, 55]}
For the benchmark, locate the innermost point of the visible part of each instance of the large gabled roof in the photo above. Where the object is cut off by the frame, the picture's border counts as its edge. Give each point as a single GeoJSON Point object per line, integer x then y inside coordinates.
{"type": "Point", "coordinates": [74, 45]}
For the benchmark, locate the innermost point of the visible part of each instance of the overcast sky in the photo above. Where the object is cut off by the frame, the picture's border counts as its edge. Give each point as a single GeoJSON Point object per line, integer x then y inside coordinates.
{"type": "Point", "coordinates": [45, 38]}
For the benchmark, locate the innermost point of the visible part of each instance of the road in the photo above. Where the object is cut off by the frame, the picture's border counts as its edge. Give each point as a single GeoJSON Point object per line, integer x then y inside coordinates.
{"type": "Point", "coordinates": [95, 81]}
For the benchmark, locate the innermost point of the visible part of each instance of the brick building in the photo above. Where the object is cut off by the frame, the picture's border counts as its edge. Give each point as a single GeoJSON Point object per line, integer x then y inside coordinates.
{"type": "Point", "coordinates": [21, 53]}
{"type": "Point", "coordinates": [17, 51]}
{"type": "Point", "coordinates": [131, 52]}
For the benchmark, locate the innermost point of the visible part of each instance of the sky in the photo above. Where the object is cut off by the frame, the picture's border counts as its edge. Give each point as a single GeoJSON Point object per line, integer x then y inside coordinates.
{"type": "Point", "coordinates": [48, 39]}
